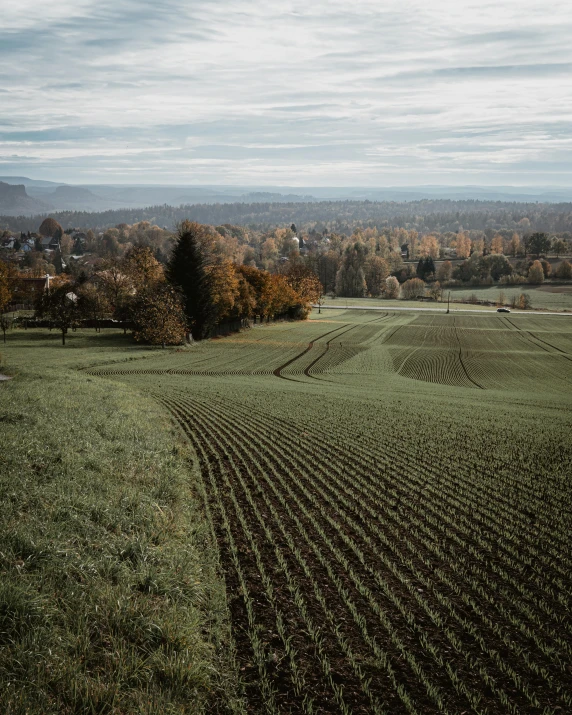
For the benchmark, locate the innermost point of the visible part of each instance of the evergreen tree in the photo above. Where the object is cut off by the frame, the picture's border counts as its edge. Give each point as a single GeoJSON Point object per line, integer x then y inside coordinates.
{"type": "Point", "coordinates": [187, 269]}
{"type": "Point", "coordinates": [425, 267]}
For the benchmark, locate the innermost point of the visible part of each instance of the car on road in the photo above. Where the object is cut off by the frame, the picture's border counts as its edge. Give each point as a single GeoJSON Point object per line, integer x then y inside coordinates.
{"type": "Point", "coordinates": [503, 310]}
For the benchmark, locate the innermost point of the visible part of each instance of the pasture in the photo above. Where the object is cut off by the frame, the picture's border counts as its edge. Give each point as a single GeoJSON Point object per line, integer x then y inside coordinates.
{"type": "Point", "coordinates": [391, 497]}
{"type": "Point", "coordinates": [552, 297]}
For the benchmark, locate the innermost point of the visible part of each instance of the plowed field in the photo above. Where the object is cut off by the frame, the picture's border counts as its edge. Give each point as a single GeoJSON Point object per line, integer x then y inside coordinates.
{"type": "Point", "coordinates": [392, 501]}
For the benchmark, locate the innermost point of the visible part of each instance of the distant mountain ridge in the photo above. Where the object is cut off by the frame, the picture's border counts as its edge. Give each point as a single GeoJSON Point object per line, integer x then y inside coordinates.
{"type": "Point", "coordinates": [108, 197]}
{"type": "Point", "coordinates": [15, 201]}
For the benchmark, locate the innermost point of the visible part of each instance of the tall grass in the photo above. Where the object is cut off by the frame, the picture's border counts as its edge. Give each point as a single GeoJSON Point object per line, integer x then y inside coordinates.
{"type": "Point", "coordinates": [111, 600]}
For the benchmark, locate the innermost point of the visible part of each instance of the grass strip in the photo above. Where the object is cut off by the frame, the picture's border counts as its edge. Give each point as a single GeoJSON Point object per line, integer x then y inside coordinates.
{"type": "Point", "coordinates": [111, 599]}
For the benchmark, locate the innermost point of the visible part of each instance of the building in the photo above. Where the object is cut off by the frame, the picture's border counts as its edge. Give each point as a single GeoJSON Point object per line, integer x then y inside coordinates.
{"type": "Point", "coordinates": [28, 290]}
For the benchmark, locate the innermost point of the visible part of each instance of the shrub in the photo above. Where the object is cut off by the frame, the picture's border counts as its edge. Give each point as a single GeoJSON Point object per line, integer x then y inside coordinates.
{"type": "Point", "coordinates": [392, 287]}
{"type": "Point", "coordinates": [564, 271]}
{"type": "Point", "coordinates": [536, 273]}
{"type": "Point", "coordinates": [413, 288]}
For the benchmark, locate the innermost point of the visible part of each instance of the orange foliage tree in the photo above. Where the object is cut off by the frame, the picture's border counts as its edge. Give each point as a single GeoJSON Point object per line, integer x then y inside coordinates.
{"type": "Point", "coordinates": [8, 279]}
{"type": "Point", "coordinates": [159, 315]}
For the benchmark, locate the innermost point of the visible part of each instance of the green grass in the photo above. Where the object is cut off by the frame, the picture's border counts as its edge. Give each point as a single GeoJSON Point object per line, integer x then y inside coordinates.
{"type": "Point", "coordinates": [541, 298]}
{"type": "Point", "coordinates": [390, 493]}
{"type": "Point", "coordinates": [392, 498]}
{"type": "Point", "coordinates": [111, 598]}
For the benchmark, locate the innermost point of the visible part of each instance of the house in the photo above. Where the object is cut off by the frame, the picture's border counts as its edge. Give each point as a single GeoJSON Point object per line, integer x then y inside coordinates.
{"type": "Point", "coordinates": [50, 243]}
{"type": "Point", "coordinates": [27, 290]}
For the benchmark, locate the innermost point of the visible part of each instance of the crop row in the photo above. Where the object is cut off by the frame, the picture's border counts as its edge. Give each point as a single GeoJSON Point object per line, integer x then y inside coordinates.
{"type": "Point", "coordinates": [420, 571]}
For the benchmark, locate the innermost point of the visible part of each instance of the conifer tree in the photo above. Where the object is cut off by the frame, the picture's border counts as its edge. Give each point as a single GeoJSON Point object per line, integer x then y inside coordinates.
{"type": "Point", "coordinates": [187, 269]}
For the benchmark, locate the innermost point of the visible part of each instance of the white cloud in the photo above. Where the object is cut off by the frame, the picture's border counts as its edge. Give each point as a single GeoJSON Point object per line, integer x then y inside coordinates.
{"type": "Point", "coordinates": [296, 93]}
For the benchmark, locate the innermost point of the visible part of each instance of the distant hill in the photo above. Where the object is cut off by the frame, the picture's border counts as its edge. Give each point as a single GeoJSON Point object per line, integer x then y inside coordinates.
{"type": "Point", "coordinates": [26, 181]}
{"type": "Point", "coordinates": [15, 201]}
{"type": "Point", "coordinates": [78, 198]}
{"type": "Point", "coordinates": [440, 215]}
{"type": "Point", "coordinates": [104, 197]}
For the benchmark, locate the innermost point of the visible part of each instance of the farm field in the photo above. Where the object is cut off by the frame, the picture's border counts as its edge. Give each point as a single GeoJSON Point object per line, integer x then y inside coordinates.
{"type": "Point", "coordinates": [550, 297]}
{"type": "Point", "coordinates": [391, 497]}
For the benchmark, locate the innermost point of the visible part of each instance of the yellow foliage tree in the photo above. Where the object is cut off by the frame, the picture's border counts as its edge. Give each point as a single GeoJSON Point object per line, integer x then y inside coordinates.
{"type": "Point", "coordinates": [429, 247]}
{"type": "Point", "coordinates": [142, 267]}
{"type": "Point", "coordinates": [536, 273]}
{"type": "Point", "coordinates": [463, 246]}
{"type": "Point", "coordinates": [515, 245]}
{"type": "Point", "coordinates": [497, 244]}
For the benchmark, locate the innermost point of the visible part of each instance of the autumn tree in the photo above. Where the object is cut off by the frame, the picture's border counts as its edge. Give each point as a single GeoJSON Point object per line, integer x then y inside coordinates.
{"type": "Point", "coordinates": [536, 273]}
{"type": "Point", "coordinates": [478, 247]}
{"type": "Point", "coordinates": [116, 288]}
{"type": "Point", "coordinates": [376, 271]}
{"type": "Point", "coordinates": [463, 246]}
{"type": "Point", "coordinates": [429, 247]}
{"type": "Point", "coordinates": [435, 291]}
{"type": "Point", "coordinates": [223, 289]}
{"type": "Point", "coordinates": [66, 245]}
{"type": "Point", "coordinates": [413, 288]}
{"type": "Point", "coordinates": [279, 298]}
{"type": "Point", "coordinates": [142, 267]}
{"type": "Point", "coordinates": [444, 271]}
{"type": "Point", "coordinates": [50, 228]}
{"type": "Point", "coordinates": [8, 279]}
{"type": "Point", "coordinates": [159, 315]}
{"type": "Point", "coordinates": [497, 244]}
{"type": "Point", "coordinates": [392, 287]}
{"type": "Point", "coordinates": [303, 280]}
{"type": "Point", "coordinates": [269, 252]}
{"type": "Point", "coordinates": [515, 245]}
{"type": "Point", "coordinates": [412, 244]}
{"type": "Point", "coordinates": [564, 271]}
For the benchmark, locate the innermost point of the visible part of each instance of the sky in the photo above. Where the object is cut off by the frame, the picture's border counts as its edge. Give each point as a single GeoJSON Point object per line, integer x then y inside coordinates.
{"type": "Point", "coordinates": [313, 93]}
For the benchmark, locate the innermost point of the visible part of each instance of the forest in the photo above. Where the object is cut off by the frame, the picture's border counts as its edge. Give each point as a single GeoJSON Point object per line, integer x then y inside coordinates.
{"type": "Point", "coordinates": [339, 216]}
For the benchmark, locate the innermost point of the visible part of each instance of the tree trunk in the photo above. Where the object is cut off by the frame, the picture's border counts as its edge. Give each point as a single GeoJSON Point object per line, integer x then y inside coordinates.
{"type": "Point", "coordinates": [63, 336]}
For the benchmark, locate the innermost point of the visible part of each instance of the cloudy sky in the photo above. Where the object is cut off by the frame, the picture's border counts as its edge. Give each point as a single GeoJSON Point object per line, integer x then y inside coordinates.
{"type": "Point", "coordinates": [336, 93]}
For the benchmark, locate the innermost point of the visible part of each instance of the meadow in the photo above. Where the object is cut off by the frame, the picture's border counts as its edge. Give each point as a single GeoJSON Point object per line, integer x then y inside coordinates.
{"type": "Point", "coordinates": [111, 594]}
{"type": "Point", "coordinates": [390, 494]}
{"type": "Point", "coordinates": [555, 297]}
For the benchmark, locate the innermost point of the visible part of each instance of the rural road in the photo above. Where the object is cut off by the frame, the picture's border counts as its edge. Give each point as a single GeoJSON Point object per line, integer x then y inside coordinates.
{"type": "Point", "coordinates": [439, 310]}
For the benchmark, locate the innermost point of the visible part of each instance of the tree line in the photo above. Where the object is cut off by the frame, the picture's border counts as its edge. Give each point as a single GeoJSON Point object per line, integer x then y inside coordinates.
{"type": "Point", "coordinates": [427, 215]}
{"type": "Point", "coordinates": [196, 291]}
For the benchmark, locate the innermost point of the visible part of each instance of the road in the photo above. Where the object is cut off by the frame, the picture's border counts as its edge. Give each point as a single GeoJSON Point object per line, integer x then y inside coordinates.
{"type": "Point", "coordinates": [438, 310]}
